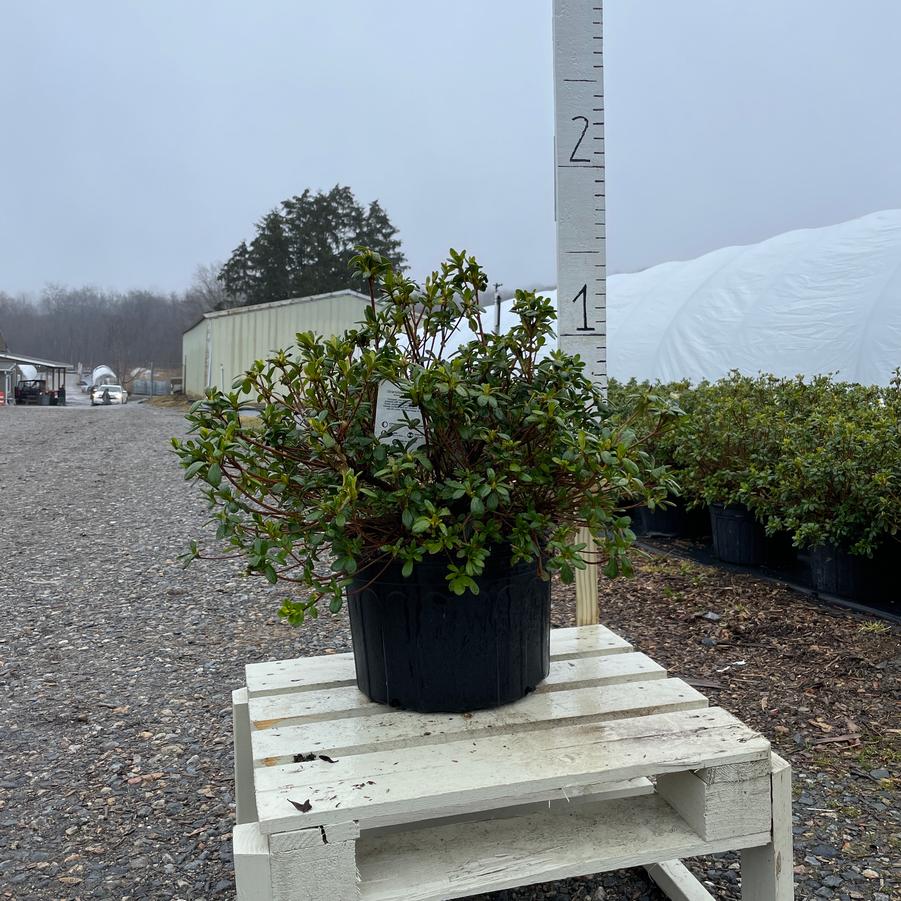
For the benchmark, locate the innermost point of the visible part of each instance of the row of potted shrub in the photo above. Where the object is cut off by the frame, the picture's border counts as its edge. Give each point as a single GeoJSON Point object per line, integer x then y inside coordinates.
{"type": "Point", "coordinates": [816, 462]}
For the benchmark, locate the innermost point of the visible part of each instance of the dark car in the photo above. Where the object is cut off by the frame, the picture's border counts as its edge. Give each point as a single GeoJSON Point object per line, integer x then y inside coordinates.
{"type": "Point", "coordinates": [30, 391]}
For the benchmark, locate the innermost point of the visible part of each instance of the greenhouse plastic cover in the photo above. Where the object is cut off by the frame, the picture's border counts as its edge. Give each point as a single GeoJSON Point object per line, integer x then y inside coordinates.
{"type": "Point", "coordinates": [805, 302]}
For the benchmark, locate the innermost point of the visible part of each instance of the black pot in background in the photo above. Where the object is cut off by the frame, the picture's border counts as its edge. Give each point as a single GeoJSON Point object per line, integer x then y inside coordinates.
{"type": "Point", "coordinates": [420, 647]}
{"type": "Point", "coordinates": [737, 536]}
{"type": "Point", "coordinates": [835, 571]}
{"type": "Point", "coordinates": [676, 521]}
{"type": "Point", "coordinates": [780, 551]}
{"type": "Point", "coordinates": [669, 521]}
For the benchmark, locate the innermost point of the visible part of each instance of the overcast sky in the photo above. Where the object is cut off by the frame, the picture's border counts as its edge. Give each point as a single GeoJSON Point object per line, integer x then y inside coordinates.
{"type": "Point", "coordinates": [139, 139]}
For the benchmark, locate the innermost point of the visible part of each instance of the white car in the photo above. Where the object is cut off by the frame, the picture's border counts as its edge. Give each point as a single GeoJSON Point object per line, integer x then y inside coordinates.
{"type": "Point", "coordinates": [108, 394]}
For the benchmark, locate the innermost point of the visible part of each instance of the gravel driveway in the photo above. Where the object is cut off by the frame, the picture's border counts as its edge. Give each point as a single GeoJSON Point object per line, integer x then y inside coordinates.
{"type": "Point", "coordinates": [116, 667]}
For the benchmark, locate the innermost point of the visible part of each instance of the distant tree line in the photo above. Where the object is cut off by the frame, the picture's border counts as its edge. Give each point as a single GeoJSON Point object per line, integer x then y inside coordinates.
{"type": "Point", "coordinates": [126, 330]}
{"type": "Point", "coordinates": [304, 247]}
{"type": "Point", "coordinates": [301, 248]}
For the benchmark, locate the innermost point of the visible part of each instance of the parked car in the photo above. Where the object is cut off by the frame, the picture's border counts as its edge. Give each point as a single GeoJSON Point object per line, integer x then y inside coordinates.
{"type": "Point", "coordinates": [108, 394]}
{"type": "Point", "coordinates": [85, 386]}
{"type": "Point", "coordinates": [30, 391]}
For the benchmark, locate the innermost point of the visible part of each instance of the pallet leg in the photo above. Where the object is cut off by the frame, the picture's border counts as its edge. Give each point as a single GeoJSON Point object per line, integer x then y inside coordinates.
{"type": "Point", "coordinates": [317, 864]}
{"type": "Point", "coordinates": [245, 800]}
{"type": "Point", "coordinates": [767, 872]}
{"type": "Point", "coordinates": [251, 854]}
{"type": "Point", "coordinates": [675, 880]}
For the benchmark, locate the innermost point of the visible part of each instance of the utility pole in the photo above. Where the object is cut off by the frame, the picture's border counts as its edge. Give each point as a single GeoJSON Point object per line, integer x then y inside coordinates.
{"type": "Point", "coordinates": [497, 307]}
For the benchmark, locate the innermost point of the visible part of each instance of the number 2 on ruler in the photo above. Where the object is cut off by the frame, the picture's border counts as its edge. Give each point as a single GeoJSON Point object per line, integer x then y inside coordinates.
{"type": "Point", "coordinates": [572, 157]}
{"type": "Point", "coordinates": [583, 295]}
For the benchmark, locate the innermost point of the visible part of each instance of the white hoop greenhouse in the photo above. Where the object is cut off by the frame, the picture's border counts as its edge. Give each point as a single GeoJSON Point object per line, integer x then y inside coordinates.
{"type": "Point", "coordinates": [812, 301]}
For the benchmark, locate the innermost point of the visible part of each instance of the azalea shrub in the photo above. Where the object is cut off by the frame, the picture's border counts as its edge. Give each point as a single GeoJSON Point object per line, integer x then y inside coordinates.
{"type": "Point", "coordinates": [503, 442]}
{"type": "Point", "coordinates": [817, 458]}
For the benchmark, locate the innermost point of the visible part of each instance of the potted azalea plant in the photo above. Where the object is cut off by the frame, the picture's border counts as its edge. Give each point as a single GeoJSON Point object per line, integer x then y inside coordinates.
{"type": "Point", "coordinates": [676, 516]}
{"type": "Point", "coordinates": [837, 487]}
{"type": "Point", "coordinates": [435, 492]}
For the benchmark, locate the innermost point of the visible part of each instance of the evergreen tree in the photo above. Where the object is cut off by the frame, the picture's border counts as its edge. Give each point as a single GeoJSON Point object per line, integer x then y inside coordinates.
{"type": "Point", "coordinates": [236, 276]}
{"type": "Point", "coordinates": [270, 259]}
{"type": "Point", "coordinates": [306, 245]}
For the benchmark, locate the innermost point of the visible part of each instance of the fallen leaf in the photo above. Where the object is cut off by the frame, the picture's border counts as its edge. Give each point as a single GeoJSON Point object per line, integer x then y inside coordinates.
{"type": "Point", "coordinates": [306, 807]}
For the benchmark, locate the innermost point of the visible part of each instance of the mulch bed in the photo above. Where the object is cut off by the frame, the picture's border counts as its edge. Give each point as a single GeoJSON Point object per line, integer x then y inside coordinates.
{"type": "Point", "coordinates": [822, 683]}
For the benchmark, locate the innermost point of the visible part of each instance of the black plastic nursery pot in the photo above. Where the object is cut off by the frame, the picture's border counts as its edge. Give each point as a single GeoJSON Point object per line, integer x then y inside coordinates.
{"type": "Point", "coordinates": [420, 647]}
{"type": "Point", "coordinates": [834, 571]}
{"type": "Point", "coordinates": [737, 536]}
{"type": "Point", "coordinates": [669, 521]}
{"type": "Point", "coordinates": [676, 521]}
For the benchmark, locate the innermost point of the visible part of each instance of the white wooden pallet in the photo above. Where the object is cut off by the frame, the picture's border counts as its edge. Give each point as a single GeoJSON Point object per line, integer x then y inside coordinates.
{"type": "Point", "coordinates": [609, 763]}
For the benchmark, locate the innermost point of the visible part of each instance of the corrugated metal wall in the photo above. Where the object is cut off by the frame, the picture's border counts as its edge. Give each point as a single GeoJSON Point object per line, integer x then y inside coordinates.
{"type": "Point", "coordinates": [225, 344]}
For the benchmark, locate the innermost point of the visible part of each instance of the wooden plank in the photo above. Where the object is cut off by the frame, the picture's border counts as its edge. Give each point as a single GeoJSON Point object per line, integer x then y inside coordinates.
{"type": "Point", "coordinates": [717, 801]}
{"type": "Point", "coordinates": [587, 613]}
{"type": "Point", "coordinates": [409, 781]}
{"type": "Point", "coordinates": [245, 802]}
{"type": "Point", "coordinates": [322, 871]}
{"type": "Point", "coordinates": [767, 871]}
{"type": "Point", "coordinates": [581, 640]}
{"type": "Point", "coordinates": [251, 857]}
{"type": "Point", "coordinates": [460, 860]}
{"type": "Point", "coordinates": [402, 729]}
{"type": "Point", "coordinates": [556, 801]}
{"type": "Point", "coordinates": [335, 670]}
{"type": "Point", "coordinates": [269, 711]}
{"type": "Point", "coordinates": [676, 881]}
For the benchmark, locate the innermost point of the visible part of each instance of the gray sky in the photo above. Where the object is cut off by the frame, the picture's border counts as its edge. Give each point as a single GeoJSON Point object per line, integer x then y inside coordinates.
{"type": "Point", "coordinates": [141, 138]}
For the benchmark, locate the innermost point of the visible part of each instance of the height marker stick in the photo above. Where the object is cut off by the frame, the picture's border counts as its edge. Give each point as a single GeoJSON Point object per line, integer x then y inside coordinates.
{"type": "Point", "coordinates": [580, 210]}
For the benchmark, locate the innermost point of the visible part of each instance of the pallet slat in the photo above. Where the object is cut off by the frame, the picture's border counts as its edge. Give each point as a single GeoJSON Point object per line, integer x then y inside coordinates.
{"type": "Point", "coordinates": [330, 704]}
{"type": "Point", "coordinates": [312, 673]}
{"type": "Point", "coordinates": [455, 861]}
{"type": "Point", "coordinates": [407, 781]}
{"type": "Point", "coordinates": [401, 729]}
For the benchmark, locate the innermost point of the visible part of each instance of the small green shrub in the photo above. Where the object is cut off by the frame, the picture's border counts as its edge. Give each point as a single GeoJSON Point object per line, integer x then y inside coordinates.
{"type": "Point", "coordinates": [508, 446]}
{"type": "Point", "coordinates": [818, 458]}
{"type": "Point", "coordinates": [838, 478]}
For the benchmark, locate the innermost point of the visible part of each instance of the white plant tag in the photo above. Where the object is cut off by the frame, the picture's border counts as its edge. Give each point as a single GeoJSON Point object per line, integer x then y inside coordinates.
{"type": "Point", "coordinates": [391, 409]}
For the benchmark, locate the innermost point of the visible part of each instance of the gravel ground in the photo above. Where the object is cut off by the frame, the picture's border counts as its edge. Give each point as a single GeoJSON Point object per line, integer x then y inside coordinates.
{"type": "Point", "coordinates": [116, 667]}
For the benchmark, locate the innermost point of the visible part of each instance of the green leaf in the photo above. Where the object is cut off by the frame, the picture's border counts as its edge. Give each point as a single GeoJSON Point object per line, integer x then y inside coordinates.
{"type": "Point", "coordinates": [194, 468]}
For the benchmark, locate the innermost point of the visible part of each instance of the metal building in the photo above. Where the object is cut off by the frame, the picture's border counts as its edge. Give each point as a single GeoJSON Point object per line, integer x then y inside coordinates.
{"type": "Point", "coordinates": [225, 343]}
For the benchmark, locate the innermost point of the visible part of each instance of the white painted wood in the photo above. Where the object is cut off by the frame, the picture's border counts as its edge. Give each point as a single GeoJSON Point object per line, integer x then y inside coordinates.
{"type": "Point", "coordinates": [251, 859]}
{"type": "Point", "coordinates": [408, 781]}
{"type": "Point", "coordinates": [583, 641]}
{"type": "Point", "coordinates": [580, 182]}
{"type": "Point", "coordinates": [459, 860]}
{"type": "Point", "coordinates": [245, 800]}
{"type": "Point", "coordinates": [553, 786]}
{"type": "Point", "coordinates": [721, 801]}
{"type": "Point", "coordinates": [402, 729]}
{"type": "Point", "coordinates": [272, 711]}
{"type": "Point", "coordinates": [557, 801]}
{"type": "Point", "coordinates": [674, 879]}
{"type": "Point", "coordinates": [337, 670]}
{"type": "Point", "coordinates": [304, 839]}
{"type": "Point", "coordinates": [325, 871]}
{"type": "Point", "coordinates": [767, 872]}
